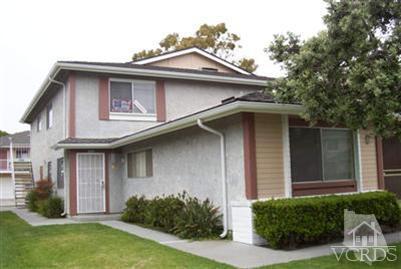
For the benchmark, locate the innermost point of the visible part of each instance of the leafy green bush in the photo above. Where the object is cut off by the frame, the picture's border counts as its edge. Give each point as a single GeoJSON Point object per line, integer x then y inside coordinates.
{"type": "Point", "coordinates": [134, 211]}
{"type": "Point", "coordinates": [52, 207]}
{"type": "Point", "coordinates": [198, 219]}
{"type": "Point", "coordinates": [287, 223]}
{"type": "Point", "coordinates": [31, 200]}
{"type": "Point", "coordinates": [185, 216]}
{"type": "Point", "coordinates": [162, 211]}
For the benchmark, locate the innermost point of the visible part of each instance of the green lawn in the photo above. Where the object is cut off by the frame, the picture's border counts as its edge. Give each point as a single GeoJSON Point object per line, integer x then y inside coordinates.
{"type": "Point", "coordinates": [98, 246]}
{"type": "Point", "coordinates": [85, 246]}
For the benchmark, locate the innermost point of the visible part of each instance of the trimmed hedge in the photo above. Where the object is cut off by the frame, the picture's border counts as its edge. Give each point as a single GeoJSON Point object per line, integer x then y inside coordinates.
{"type": "Point", "coordinates": [182, 215]}
{"type": "Point", "coordinates": [288, 223]}
{"type": "Point", "coordinates": [52, 207]}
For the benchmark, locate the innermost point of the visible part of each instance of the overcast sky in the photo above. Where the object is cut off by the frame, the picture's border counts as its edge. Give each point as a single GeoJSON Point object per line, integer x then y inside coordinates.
{"type": "Point", "coordinates": [35, 34]}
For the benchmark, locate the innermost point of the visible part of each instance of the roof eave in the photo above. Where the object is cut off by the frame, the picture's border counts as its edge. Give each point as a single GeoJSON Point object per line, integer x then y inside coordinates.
{"type": "Point", "coordinates": [208, 115]}
{"type": "Point", "coordinates": [133, 71]}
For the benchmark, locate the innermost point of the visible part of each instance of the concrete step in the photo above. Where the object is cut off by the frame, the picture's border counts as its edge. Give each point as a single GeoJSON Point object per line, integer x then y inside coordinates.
{"type": "Point", "coordinates": [96, 217]}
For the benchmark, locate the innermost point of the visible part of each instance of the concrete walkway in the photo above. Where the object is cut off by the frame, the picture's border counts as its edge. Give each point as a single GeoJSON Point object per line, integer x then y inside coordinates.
{"type": "Point", "coordinates": [233, 253]}
{"type": "Point", "coordinates": [35, 219]}
{"type": "Point", "coordinates": [225, 251]}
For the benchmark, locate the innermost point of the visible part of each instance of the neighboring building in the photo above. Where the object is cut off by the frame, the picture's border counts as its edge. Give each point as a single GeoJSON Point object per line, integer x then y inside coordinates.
{"type": "Point", "coordinates": [106, 131]}
{"type": "Point", "coordinates": [14, 157]}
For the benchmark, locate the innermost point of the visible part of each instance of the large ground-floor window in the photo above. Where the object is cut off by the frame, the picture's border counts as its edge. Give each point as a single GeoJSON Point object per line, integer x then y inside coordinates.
{"type": "Point", "coordinates": [321, 154]}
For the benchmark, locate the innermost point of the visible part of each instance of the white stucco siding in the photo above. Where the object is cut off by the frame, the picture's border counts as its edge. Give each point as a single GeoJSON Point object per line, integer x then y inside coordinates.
{"type": "Point", "coordinates": [42, 142]}
{"type": "Point", "coordinates": [190, 160]}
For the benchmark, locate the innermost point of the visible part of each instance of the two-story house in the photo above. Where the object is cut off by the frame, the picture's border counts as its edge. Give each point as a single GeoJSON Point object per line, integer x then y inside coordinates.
{"type": "Point", "coordinates": [185, 120]}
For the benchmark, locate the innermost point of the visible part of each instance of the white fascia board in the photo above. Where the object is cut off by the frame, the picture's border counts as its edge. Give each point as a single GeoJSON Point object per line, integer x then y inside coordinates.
{"type": "Point", "coordinates": [82, 146]}
{"type": "Point", "coordinates": [39, 93]}
{"type": "Point", "coordinates": [192, 50]}
{"type": "Point", "coordinates": [208, 115]}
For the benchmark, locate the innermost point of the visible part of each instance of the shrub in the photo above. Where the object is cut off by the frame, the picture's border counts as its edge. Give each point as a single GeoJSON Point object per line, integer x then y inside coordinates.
{"type": "Point", "coordinates": [198, 219]}
{"type": "Point", "coordinates": [185, 216]}
{"type": "Point", "coordinates": [287, 223]}
{"type": "Point", "coordinates": [162, 211]}
{"type": "Point", "coordinates": [134, 211]}
{"type": "Point", "coordinates": [43, 189]}
{"type": "Point", "coordinates": [52, 207]}
{"type": "Point", "coordinates": [31, 201]}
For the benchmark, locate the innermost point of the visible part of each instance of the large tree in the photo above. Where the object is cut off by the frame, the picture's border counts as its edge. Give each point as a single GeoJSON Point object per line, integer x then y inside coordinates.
{"type": "Point", "coordinates": [213, 38]}
{"type": "Point", "coordinates": [3, 133]}
{"type": "Point", "coordinates": [349, 73]}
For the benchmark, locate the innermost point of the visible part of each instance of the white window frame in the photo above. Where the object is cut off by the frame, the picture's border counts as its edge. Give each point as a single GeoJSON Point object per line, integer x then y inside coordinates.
{"type": "Point", "coordinates": [49, 116]}
{"type": "Point", "coordinates": [132, 116]}
{"type": "Point", "coordinates": [126, 163]}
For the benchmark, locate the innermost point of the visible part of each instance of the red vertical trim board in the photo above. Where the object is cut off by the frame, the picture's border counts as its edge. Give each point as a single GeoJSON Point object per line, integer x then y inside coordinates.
{"type": "Point", "coordinates": [103, 98]}
{"type": "Point", "coordinates": [379, 160]}
{"type": "Point", "coordinates": [72, 157]}
{"type": "Point", "coordinates": [248, 125]}
{"type": "Point", "coordinates": [107, 182]}
{"type": "Point", "coordinates": [160, 101]}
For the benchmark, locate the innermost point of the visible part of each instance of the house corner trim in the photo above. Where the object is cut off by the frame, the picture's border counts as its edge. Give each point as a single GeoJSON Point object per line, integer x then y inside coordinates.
{"type": "Point", "coordinates": [248, 125]}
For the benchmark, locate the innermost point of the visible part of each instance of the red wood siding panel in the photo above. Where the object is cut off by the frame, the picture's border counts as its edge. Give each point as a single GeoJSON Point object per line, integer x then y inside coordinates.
{"type": "Point", "coordinates": [3, 159]}
{"type": "Point", "coordinates": [103, 98]}
{"type": "Point", "coordinates": [71, 106]}
{"type": "Point", "coordinates": [72, 156]}
{"type": "Point", "coordinates": [316, 188]}
{"type": "Point", "coordinates": [160, 101]}
{"type": "Point", "coordinates": [248, 125]}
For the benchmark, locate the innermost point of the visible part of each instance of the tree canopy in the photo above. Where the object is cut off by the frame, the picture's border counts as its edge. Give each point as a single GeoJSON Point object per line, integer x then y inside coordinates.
{"type": "Point", "coordinates": [349, 73]}
{"type": "Point", "coordinates": [3, 133]}
{"type": "Point", "coordinates": [213, 38]}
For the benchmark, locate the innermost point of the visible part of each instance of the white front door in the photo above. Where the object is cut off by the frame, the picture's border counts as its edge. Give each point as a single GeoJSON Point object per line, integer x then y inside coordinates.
{"type": "Point", "coordinates": [91, 183]}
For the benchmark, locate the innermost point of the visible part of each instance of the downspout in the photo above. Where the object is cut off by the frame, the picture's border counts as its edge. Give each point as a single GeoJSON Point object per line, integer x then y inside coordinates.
{"type": "Point", "coordinates": [64, 103]}
{"type": "Point", "coordinates": [65, 136]}
{"type": "Point", "coordinates": [223, 174]}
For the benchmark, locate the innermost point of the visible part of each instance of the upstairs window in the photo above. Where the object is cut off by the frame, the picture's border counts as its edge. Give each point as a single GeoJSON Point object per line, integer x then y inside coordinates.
{"type": "Point", "coordinates": [39, 123]}
{"type": "Point", "coordinates": [320, 154]}
{"type": "Point", "coordinates": [49, 116]}
{"type": "Point", "coordinates": [133, 98]}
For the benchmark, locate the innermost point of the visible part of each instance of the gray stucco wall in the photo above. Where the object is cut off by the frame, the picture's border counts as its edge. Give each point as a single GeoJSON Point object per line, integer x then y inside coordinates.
{"type": "Point", "coordinates": [190, 160]}
{"type": "Point", "coordinates": [185, 97]}
{"type": "Point", "coordinates": [87, 120]}
{"type": "Point", "coordinates": [116, 176]}
{"type": "Point", "coordinates": [182, 97]}
{"type": "Point", "coordinates": [43, 141]}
